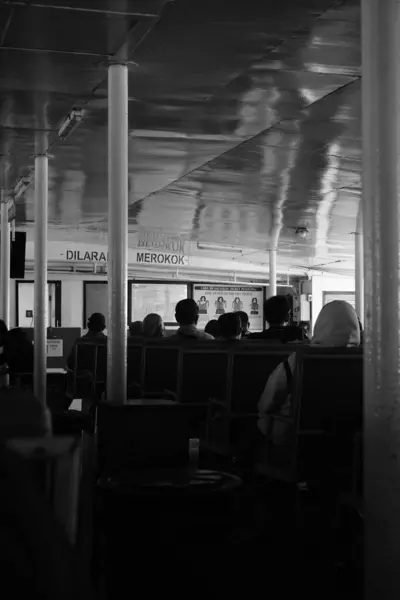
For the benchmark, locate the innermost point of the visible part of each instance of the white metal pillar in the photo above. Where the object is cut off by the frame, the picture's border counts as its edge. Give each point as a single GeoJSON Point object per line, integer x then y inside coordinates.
{"type": "Point", "coordinates": [272, 273]}
{"type": "Point", "coordinates": [359, 266]}
{"type": "Point", "coordinates": [380, 132]}
{"type": "Point", "coordinates": [5, 261]}
{"type": "Point", "coordinates": [117, 232]}
{"type": "Point", "coordinates": [40, 286]}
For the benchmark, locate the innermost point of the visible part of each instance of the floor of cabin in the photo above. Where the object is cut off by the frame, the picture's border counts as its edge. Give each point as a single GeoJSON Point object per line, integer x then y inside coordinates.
{"type": "Point", "coordinates": [278, 540]}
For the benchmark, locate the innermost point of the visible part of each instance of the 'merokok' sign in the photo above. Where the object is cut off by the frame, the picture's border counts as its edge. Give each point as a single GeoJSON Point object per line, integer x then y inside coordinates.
{"type": "Point", "coordinates": [155, 258]}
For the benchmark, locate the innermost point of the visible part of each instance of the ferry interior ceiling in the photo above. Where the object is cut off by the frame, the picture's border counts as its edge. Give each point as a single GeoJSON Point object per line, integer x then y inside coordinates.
{"type": "Point", "coordinates": [237, 156]}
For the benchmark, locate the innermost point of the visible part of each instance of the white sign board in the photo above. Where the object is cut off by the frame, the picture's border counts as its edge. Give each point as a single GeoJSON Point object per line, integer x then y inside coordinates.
{"type": "Point", "coordinates": [214, 301]}
{"type": "Point", "coordinates": [135, 256]}
{"type": "Point", "coordinates": [54, 348]}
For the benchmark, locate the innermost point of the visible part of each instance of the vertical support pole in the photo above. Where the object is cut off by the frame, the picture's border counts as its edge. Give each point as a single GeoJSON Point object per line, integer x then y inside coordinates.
{"type": "Point", "coordinates": [40, 286]}
{"type": "Point", "coordinates": [380, 135]}
{"type": "Point", "coordinates": [359, 266]}
{"type": "Point", "coordinates": [272, 273]}
{"type": "Point", "coordinates": [5, 261]}
{"type": "Point", "coordinates": [117, 232]}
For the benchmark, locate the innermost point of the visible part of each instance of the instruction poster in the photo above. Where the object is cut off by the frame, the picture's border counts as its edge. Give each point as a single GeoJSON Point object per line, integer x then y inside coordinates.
{"type": "Point", "coordinates": [54, 348]}
{"type": "Point", "coordinates": [214, 301]}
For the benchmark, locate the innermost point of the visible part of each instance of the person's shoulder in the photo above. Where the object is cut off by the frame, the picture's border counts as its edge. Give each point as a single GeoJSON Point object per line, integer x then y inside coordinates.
{"type": "Point", "coordinates": [205, 336]}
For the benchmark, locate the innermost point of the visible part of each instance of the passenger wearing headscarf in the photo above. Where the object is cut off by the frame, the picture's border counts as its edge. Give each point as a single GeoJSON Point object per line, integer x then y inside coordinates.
{"type": "Point", "coordinates": [337, 326]}
{"type": "Point", "coordinates": [153, 326]}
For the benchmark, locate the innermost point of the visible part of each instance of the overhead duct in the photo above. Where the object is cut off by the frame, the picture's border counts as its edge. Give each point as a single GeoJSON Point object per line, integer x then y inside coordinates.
{"type": "Point", "coordinates": [183, 274]}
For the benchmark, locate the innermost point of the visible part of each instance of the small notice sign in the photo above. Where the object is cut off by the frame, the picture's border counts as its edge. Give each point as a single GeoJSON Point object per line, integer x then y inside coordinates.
{"type": "Point", "coordinates": [55, 348]}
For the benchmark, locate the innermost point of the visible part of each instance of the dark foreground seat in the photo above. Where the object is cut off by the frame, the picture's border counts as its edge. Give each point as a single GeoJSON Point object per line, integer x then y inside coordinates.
{"type": "Point", "coordinates": [146, 433]}
{"type": "Point", "coordinates": [149, 501]}
{"type": "Point", "coordinates": [36, 560]}
{"type": "Point", "coordinates": [326, 415]}
{"type": "Point", "coordinates": [205, 373]}
{"type": "Point", "coordinates": [161, 367]}
{"type": "Point", "coordinates": [251, 367]}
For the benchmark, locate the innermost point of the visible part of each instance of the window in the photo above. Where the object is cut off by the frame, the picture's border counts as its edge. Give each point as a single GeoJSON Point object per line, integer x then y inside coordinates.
{"type": "Point", "coordinates": [95, 300]}
{"type": "Point", "coordinates": [160, 298]}
{"type": "Point", "coordinates": [349, 297]}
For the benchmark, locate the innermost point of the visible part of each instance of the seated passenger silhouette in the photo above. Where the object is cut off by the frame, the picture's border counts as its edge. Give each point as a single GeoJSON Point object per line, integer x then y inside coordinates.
{"type": "Point", "coordinates": [96, 326]}
{"type": "Point", "coordinates": [187, 315]}
{"type": "Point", "coordinates": [136, 329]}
{"type": "Point", "coordinates": [212, 328]}
{"type": "Point", "coordinates": [230, 327]}
{"type": "Point", "coordinates": [277, 315]}
{"type": "Point", "coordinates": [153, 326]}
{"type": "Point", "coordinates": [244, 317]}
{"type": "Point", "coordinates": [336, 326]}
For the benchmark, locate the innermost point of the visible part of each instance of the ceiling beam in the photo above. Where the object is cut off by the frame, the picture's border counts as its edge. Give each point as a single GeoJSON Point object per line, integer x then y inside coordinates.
{"type": "Point", "coordinates": [153, 8]}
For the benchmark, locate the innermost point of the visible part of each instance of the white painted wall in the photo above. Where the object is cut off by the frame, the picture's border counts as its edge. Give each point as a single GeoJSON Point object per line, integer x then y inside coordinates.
{"type": "Point", "coordinates": [327, 283]}
{"type": "Point", "coordinates": [25, 302]}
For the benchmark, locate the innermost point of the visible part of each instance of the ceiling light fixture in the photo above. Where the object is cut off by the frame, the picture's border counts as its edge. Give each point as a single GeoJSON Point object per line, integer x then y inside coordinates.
{"type": "Point", "coordinates": [302, 232]}
{"type": "Point", "coordinates": [217, 248]}
{"type": "Point", "coordinates": [20, 186]}
{"type": "Point", "coordinates": [71, 122]}
{"type": "Point", "coordinates": [351, 190]}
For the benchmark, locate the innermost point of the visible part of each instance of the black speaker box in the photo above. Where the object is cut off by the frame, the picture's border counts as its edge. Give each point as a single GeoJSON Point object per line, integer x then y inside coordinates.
{"type": "Point", "coordinates": [17, 255]}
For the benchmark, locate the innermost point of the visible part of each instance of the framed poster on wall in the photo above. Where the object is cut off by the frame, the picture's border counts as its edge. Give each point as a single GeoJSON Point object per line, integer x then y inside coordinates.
{"type": "Point", "coordinates": [213, 301]}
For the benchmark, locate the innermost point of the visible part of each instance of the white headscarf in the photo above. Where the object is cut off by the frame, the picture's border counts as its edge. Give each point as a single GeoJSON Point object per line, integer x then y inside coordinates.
{"type": "Point", "coordinates": [153, 325]}
{"type": "Point", "coordinates": [337, 325]}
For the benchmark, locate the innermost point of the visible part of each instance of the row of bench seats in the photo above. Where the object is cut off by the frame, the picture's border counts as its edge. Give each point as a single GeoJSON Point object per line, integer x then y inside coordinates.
{"type": "Point", "coordinates": [326, 395]}
{"type": "Point", "coordinates": [233, 373]}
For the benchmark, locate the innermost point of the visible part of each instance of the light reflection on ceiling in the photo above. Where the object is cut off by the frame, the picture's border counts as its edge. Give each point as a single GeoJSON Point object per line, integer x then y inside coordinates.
{"type": "Point", "coordinates": [235, 141]}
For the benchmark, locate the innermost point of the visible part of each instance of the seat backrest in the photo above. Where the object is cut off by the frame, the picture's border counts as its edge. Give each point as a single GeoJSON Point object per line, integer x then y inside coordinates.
{"type": "Point", "coordinates": [85, 356]}
{"type": "Point", "coordinates": [250, 371]}
{"type": "Point", "coordinates": [328, 393]}
{"type": "Point", "coordinates": [134, 369]}
{"type": "Point", "coordinates": [150, 433]}
{"type": "Point", "coordinates": [331, 389]}
{"type": "Point", "coordinates": [160, 367]}
{"type": "Point", "coordinates": [205, 373]}
{"type": "Point", "coordinates": [90, 368]}
{"type": "Point", "coordinates": [101, 365]}
{"type": "Point", "coordinates": [56, 462]}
